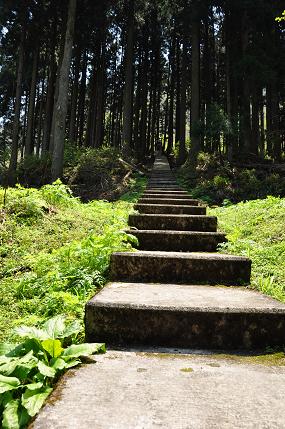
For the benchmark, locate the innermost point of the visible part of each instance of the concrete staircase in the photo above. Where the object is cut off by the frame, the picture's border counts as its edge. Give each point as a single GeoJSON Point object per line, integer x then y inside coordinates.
{"type": "Point", "coordinates": [175, 291]}
{"type": "Point", "coordinates": [166, 300]}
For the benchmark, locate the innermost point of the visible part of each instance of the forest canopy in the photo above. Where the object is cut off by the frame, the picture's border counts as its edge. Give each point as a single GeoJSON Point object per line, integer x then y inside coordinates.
{"type": "Point", "coordinates": [135, 75]}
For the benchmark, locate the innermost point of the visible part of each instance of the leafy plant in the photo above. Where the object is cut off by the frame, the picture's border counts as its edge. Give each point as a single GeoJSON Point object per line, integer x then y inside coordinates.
{"type": "Point", "coordinates": [29, 370]}
{"type": "Point", "coordinates": [24, 204]}
{"type": "Point", "coordinates": [57, 194]}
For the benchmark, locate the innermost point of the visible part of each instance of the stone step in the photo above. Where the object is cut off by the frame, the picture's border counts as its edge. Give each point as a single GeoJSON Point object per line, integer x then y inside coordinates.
{"type": "Point", "coordinates": [164, 181]}
{"type": "Point", "coordinates": [162, 184]}
{"type": "Point", "coordinates": [166, 191]}
{"type": "Point", "coordinates": [174, 222]}
{"type": "Point", "coordinates": [166, 188]}
{"type": "Point", "coordinates": [172, 195]}
{"type": "Point", "coordinates": [178, 241]}
{"type": "Point", "coordinates": [162, 176]}
{"type": "Point", "coordinates": [171, 315]}
{"type": "Point", "coordinates": [169, 201]}
{"type": "Point", "coordinates": [180, 267]}
{"type": "Point", "coordinates": [167, 209]}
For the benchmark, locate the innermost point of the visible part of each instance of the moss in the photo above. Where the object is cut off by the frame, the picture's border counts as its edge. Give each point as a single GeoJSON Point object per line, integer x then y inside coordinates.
{"type": "Point", "coordinates": [266, 359]}
{"type": "Point", "coordinates": [186, 369]}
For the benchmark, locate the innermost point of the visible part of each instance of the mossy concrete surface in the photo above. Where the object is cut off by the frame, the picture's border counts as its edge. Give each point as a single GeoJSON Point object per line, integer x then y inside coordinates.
{"type": "Point", "coordinates": [164, 389]}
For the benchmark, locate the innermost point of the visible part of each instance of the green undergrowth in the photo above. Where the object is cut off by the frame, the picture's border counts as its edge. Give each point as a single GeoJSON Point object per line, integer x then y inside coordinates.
{"type": "Point", "coordinates": [136, 188]}
{"type": "Point", "coordinates": [54, 253]}
{"type": "Point", "coordinates": [256, 229]}
{"type": "Point", "coordinates": [215, 180]}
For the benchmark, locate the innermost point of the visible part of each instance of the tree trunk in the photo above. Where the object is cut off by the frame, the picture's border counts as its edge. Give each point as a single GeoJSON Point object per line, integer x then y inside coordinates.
{"type": "Point", "coordinates": [49, 103]}
{"type": "Point", "coordinates": [182, 118]}
{"type": "Point", "coordinates": [144, 97]}
{"type": "Point", "coordinates": [62, 101]}
{"type": "Point", "coordinates": [16, 122]}
{"type": "Point", "coordinates": [128, 88]}
{"type": "Point", "coordinates": [195, 91]}
{"type": "Point", "coordinates": [171, 96]}
{"type": "Point", "coordinates": [255, 137]}
{"type": "Point", "coordinates": [246, 116]}
{"type": "Point", "coordinates": [31, 112]}
{"type": "Point", "coordinates": [100, 99]}
{"type": "Point", "coordinates": [81, 102]}
{"type": "Point", "coordinates": [276, 132]}
{"type": "Point", "coordinates": [74, 98]}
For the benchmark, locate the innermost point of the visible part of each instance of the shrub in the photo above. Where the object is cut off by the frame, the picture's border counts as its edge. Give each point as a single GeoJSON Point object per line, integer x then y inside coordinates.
{"type": "Point", "coordinates": [96, 166]}
{"type": "Point", "coordinates": [216, 180]}
{"type": "Point", "coordinates": [57, 194]}
{"type": "Point", "coordinates": [24, 204]}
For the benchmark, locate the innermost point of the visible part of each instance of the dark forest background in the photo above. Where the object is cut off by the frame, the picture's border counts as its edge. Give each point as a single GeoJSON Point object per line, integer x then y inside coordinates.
{"type": "Point", "coordinates": [133, 76]}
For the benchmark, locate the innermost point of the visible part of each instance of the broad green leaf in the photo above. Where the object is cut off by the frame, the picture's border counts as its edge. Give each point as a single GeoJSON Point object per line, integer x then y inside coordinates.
{"type": "Point", "coordinates": [6, 348]}
{"type": "Point", "coordinates": [25, 365]}
{"type": "Point", "coordinates": [5, 398]}
{"type": "Point", "coordinates": [4, 360]}
{"type": "Point", "coordinates": [53, 347]}
{"type": "Point", "coordinates": [10, 415]}
{"type": "Point", "coordinates": [34, 386]}
{"type": "Point", "coordinates": [24, 417]}
{"type": "Point", "coordinates": [55, 327]}
{"type": "Point", "coordinates": [72, 363]}
{"type": "Point", "coordinates": [9, 367]}
{"type": "Point", "coordinates": [31, 344]}
{"type": "Point", "coordinates": [31, 332]}
{"type": "Point", "coordinates": [59, 364]}
{"type": "Point", "coordinates": [77, 350]}
{"type": "Point", "coordinates": [46, 370]}
{"type": "Point", "coordinates": [8, 383]}
{"type": "Point", "coordinates": [21, 349]}
{"type": "Point", "coordinates": [33, 400]}
{"type": "Point", "coordinates": [72, 329]}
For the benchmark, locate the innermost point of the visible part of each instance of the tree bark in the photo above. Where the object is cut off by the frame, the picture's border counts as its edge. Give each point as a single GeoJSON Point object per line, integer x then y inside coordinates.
{"type": "Point", "coordinates": [128, 88]}
{"type": "Point", "coordinates": [182, 117]}
{"type": "Point", "coordinates": [74, 98]}
{"type": "Point", "coordinates": [62, 101]}
{"type": "Point", "coordinates": [195, 91]}
{"type": "Point", "coordinates": [31, 111]}
{"type": "Point", "coordinates": [16, 122]}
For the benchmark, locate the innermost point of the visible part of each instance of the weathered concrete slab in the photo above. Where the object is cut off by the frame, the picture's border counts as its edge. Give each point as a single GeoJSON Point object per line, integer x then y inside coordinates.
{"type": "Point", "coordinates": [146, 390]}
{"type": "Point", "coordinates": [162, 182]}
{"type": "Point", "coordinates": [168, 200]}
{"type": "Point", "coordinates": [174, 195]}
{"type": "Point", "coordinates": [167, 209]}
{"type": "Point", "coordinates": [178, 241]}
{"type": "Point", "coordinates": [173, 222]}
{"type": "Point", "coordinates": [169, 187]}
{"type": "Point", "coordinates": [180, 267]}
{"type": "Point", "coordinates": [165, 191]}
{"type": "Point", "coordinates": [174, 315]}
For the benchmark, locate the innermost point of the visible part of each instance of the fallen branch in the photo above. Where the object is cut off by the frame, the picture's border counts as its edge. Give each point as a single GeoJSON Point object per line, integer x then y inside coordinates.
{"type": "Point", "coordinates": [132, 167]}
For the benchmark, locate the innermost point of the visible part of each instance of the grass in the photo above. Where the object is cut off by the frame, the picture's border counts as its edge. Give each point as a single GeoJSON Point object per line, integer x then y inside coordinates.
{"type": "Point", "coordinates": [54, 252]}
{"type": "Point", "coordinates": [256, 229]}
